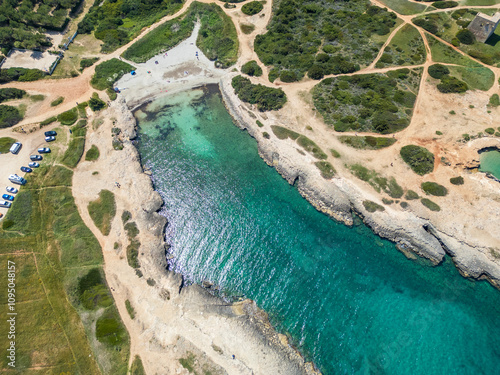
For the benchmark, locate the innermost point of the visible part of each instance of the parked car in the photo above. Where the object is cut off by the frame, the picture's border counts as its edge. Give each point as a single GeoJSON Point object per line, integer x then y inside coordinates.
{"type": "Point", "coordinates": [26, 169]}
{"type": "Point", "coordinates": [5, 204]}
{"type": "Point", "coordinates": [36, 157]}
{"type": "Point", "coordinates": [50, 133]}
{"type": "Point", "coordinates": [44, 150]}
{"type": "Point", "coordinates": [8, 197]}
{"type": "Point", "coordinates": [34, 164]}
{"type": "Point", "coordinates": [11, 190]}
{"type": "Point", "coordinates": [1, 215]}
{"type": "Point", "coordinates": [16, 147]}
{"type": "Point", "coordinates": [15, 179]}
{"type": "Point", "coordinates": [50, 139]}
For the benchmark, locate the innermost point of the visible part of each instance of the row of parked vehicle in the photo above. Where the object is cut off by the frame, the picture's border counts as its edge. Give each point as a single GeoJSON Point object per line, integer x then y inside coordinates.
{"type": "Point", "coordinates": [14, 178]}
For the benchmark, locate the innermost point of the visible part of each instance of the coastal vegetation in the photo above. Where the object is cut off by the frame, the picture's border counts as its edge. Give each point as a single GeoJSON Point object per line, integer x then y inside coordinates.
{"type": "Point", "coordinates": [217, 37]}
{"type": "Point", "coordinates": [57, 101]}
{"type": "Point", "coordinates": [379, 183]}
{"type": "Point", "coordinates": [247, 28]}
{"type": "Point", "coordinates": [381, 103]}
{"type": "Point", "coordinates": [137, 368]}
{"type": "Point", "coordinates": [96, 103]}
{"type": "Point", "coordinates": [48, 121]}
{"type": "Point", "coordinates": [265, 98]}
{"type": "Point", "coordinates": [252, 69]}
{"type": "Point", "coordinates": [420, 160]}
{"type": "Point", "coordinates": [411, 195]}
{"type": "Point", "coordinates": [117, 22]}
{"type": "Point", "coordinates": [69, 117]}
{"type": "Point", "coordinates": [59, 251]}
{"type": "Point", "coordinates": [433, 188]}
{"type": "Point", "coordinates": [405, 7]}
{"type": "Point", "coordinates": [430, 204]}
{"type": "Point", "coordinates": [11, 93]}
{"type": "Point", "coordinates": [134, 244]}
{"type": "Point", "coordinates": [326, 169]}
{"type": "Point", "coordinates": [320, 38]}
{"type": "Point", "coordinates": [371, 206]}
{"type": "Point", "coordinates": [130, 309]}
{"type": "Point", "coordinates": [5, 143]}
{"type": "Point", "coordinates": [20, 74]}
{"type": "Point", "coordinates": [103, 210]}
{"type": "Point", "coordinates": [108, 72]}
{"type": "Point", "coordinates": [405, 48]}
{"type": "Point", "coordinates": [86, 63]}
{"type": "Point", "coordinates": [367, 142]}
{"type": "Point", "coordinates": [251, 8]}
{"type": "Point", "coordinates": [283, 133]}
{"type": "Point", "coordinates": [9, 116]}
{"type": "Point", "coordinates": [92, 153]}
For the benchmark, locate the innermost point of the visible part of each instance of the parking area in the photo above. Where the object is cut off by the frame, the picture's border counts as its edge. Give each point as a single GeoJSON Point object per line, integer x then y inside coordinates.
{"type": "Point", "coordinates": [11, 164]}
{"type": "Point", "coordinates": [30, 60]}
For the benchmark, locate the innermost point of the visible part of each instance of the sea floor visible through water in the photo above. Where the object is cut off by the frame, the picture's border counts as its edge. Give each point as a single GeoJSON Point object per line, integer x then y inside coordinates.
{"type": "Point", "coordinates": [490, 162]}
{"type": "Point", "coordinates": [348, 300]}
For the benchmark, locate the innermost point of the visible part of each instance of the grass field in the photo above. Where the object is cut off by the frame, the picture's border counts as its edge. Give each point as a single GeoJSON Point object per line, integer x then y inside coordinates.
{"type": "Point", "coordinates": [445, 54]}
{"type": "Point", "coordinates": [45, 236]}
{"type": "Point", "coordinates": [5, 144]}
{"type": "Point", "coordinates": [405, 48]}
{"type": "Point", "coordinates": [404, 7]}
{"type": "Point", "coordinates": [476, 78]}
{"type": "Point", "coordinates": [103, 210]}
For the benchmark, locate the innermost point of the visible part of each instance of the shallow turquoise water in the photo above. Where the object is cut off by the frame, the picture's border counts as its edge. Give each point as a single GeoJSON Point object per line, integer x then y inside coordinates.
{"type": "Point", "coordinates": [490, 162]}
{"type": "Point", "coordinates": [350, 301]}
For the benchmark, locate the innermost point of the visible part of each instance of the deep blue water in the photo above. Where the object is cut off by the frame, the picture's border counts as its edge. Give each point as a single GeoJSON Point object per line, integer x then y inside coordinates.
{"type": "Point", "coordinates": [350, 301]}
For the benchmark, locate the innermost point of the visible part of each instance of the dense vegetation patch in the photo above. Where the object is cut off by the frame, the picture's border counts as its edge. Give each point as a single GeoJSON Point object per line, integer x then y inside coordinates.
{"type": "Point", "coordinates": [367, 142]}
{"type": "Point", "coordinates": [444, 4]}
{"type": "Point", "coordinates": [420, 160]}
{"type": "Point", "coordinates": [217, 37]}
{"type": "Point", "coordinates": [137, 368]}
{"type": "Point", "coordinates": [411, 195]}
{"type": "Point", "coordinates": [432, 188]}
{"type": "Point", "coordinates": [284, 133]}
{"type": "Point", "coordinates": [430, 204]}
{"type": "Point", "coordinates": [381, 103]}
{"type": "Point", "coordinates": [134, 244]}
{"type": "Point", "coordinates": [346, 32]}
{"type": "Point", "coordinates": [457, 180]}
{"type": "Point", "coordinates": [110, 330]}
{"type": "Point", "coordinates": [9, 116]}
{"type": "Point", "coordinates": [11, 93]}
{"type": "Point", "coordinates": [68, 117]}
{"type": "Point", "coordinates": [438, 71]}
{"type": "Point", "coordinates": [372, 206]}
{"type": "Point", "coordinates": [57, 101]}
{"type": "Point", "coordinates": [93, 292]}
{"type": "Point", "coordinates": [86, 63]}
{"type": "Point", "coordinates": [96, 103]}
{"type": "Point", "coordinates": [379, 183]}
{"type": "Point", "coordinates": [405, 48]}
{"type": "Point", "coordinates": [108, 72]}
{"type": "Point", "coordinates": [450, 84]}
{"type": "Point", "coordinates": [252, 69]}
{"type": "Point", "coordinates": [103, 210]}
{"type": "Point", "coordinates": [20, 74]}
{"type": "Point", "coordinates": [326, 169]}
{"type": "Point", "coordinates": [265, 98]}
{"type": "Point", "coordinates": [251, 8]}
{"type": "Point", "coordinates": [92, 153]}
{"type": "Point", "coordinates": [48, 121]}
{"type": "Point", "coordinates": [494, 101]}
{"type": "Point", "coordinates": [116, 22]}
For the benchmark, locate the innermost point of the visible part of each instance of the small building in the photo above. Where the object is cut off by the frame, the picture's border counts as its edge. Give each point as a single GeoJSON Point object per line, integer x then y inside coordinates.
{"type": "Point", "coordinates": [482, 26]}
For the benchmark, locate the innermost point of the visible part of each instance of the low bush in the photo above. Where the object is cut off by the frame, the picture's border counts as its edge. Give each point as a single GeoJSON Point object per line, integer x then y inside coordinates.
{"type": "Point", "coordinates": [5, 143]}
{"type": "Point", "coordinates": [251, 8]}
{"type": "Point", "coordinates": [334, 153]}
{"type": "Point", "coordinates": [466, 36]}
{"type": "Point", "coordinates": [37, 98]}
{"type": "Point", "coordinates": [326, 169]}
{"type": "Point", "coordinates": [137, 368]}
{"type": "Point", "coordinates": [109, 329]}
{"type": "Point", "coordinates": [266, 98]}
{"type": "Point", "coordinates": [130, 309]}
{"type": "Point", "coordinates": [48, 121]}
{"type": "Point", "coordinates": [372, 206]}
{"type": "Point", "coordinates": [126, 216]}
{"type": "Point", "coordinates": [411, 195]}
{"type": "Point", "coordinates": [20, 74]}
{"type": "Point", "coordinates": [95, 103]}
{"type": "Point", "coordinates": [444, 4]}
{"type": "Point", "coordinates": [311, 147]}
{"type": "Point", "coordinates": [420, 160]}
{"type": "Point", "coordinates": [108, 72]}
{"type": "Point", "coordinates": [404, 205]}
{"type": "Point", "coordinates": [489, 131]}
{"type": "Point", "coordinates": [247, 29]}
{"type": "Point", "coordinates": [131, 229]}
{"type": "Point", "coordinates": [451, 84]}
{"type": "Point", "coordinates": [284, 133]}
{"type": "Point", "coordinates": [56, 102]}
{"type": "Point", "coordinates": [92, 153]}
{"type": "Point", "coordinates": [103, 210]}
{"type": "Point", "coordinates": [93, 291]}
{"type": "Point", "coordinates": [251, 68]}
{"type": "Point", "coordinates": [68, 117]}
{"type": "Point", "coordinates": [432, 188]}
{"type": "Point", "coordinates": [457, 180]}
{"type": "Point", "coordinates": [266, 135]}
{"type": "Point", "coordinates": [494, 101]}
{"type": "Point", "coordinates": [259, 124]}
{"type": "Point", "coordinates": [11, 93]}
{"type": "Point", "coordinates": [85, 63]}
{"type": "Point", "coordinates": [430, 204]}
{"type": "Point", "coordinates": [9, 116]}
{"type": "Point", "coordinates": [438, 71]}
{"type": "Point", "coordinates": [74, 152]}
{"type": "Point", "coordinates": [367, 142]}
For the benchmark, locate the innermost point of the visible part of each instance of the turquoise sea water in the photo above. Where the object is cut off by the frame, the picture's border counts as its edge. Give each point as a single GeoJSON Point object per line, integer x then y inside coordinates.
{"type": "Point", "coordinates": [350, 301]}
{"type": "Point", "coordinates": [490, 162]}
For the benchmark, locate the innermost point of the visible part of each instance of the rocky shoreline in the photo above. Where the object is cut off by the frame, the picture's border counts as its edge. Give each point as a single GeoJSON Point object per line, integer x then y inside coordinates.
{"type": "Point", "coordinates": [341, 200]}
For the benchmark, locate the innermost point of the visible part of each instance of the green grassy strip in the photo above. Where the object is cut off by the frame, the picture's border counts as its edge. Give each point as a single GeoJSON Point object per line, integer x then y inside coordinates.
{"type": "Point", "coordinates": [103, 210]}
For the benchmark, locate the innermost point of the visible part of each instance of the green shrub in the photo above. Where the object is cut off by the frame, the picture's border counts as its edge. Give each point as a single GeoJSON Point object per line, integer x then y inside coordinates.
{"type": "Point", "coordinates": [387, 201]}
{"type": "Point", "coordinates": [266, 98]}
{"type": "Point", "coordinates": [9, 116]}
{"type": "Point", "coordinates": [284, 133]}
{"type": "Point", "coordinates": [490, 131]}
{"type": "Point", "coordinates": [465, 36]}
{"type": "Point", "coordinates": [420, 160]}
{"type": "Point", "coordinates": [103, 210]}
{"type": "Point", "coordinates": [133, 253]}
{"type": "Point", "coordinates": [288, 76]}
{"type": "Point", "coordinates": [137, 367]}
{"type": "Point", "coordinates": [92, 153]}
{"type": "Point", "coordinates": [451, 84]}
{"type": "Point", "coordinates": [93, 291]}
{"type": "Point", "coordinates": [367, 142]}
{"type": "Point", "coordinates": [82, 112]}
{"type": "Point", "coordinates": [394, 189]}
{"type": "Point", "coordinates": [411, 195]}
{"type": "Point", "coordinates": [404, 205]}
{"type": "Point", "coordinates": [326, 169]}
{"type": "Point", "coordinates": [126, 216]}
{"type": "Point", "coordinates": [68, 117]}
{"type": "Point", "coordinates": [457, 180]}
{"type": "Point", "coordinates": [439, 132]}
{"type": "Point", "coordinates": [259, 124]}
{"type": "Point", "coordinates": [334, 153]}
{"type": "Point", "coordinates": [372, 206]}
{"type": "Point", "coordinates": [444, 4]}
{"type": "Point", "coordinates": [266, 135]}
{"type": "Point", "coordinates": [95, 103]}
{"type": "Point", "coordinates": [311, 147]}
{"type": "Point", "coordinates": [108, 72]}
{"type": "Point", "coordinates": [37, 98]}
{"type": "Point", "coordinates": [430, 204]}
{"type": "Point", "coordinates": [111, 94]}
{"type": "Point", "coordinates": [20, 74]}
{"type": "Point", "coordinates": [5, 143]}
{"type": "Point", "coordinates": [85, 63]}
{"type": "Point", "coordinates": [251, 68]}
{"type": "Point", "coordinates": [251, 8]}
{"type": "Point", "coordinates": [74, 152]}
{"type": "Point", "coordinates": [11, 93]}
{"type": "Point", "coordinates": [438, 71]}
{"type": "Point", "coordinates": [56, 102]}
{"type": "Point", "coordinates": [432, 188]}
{"type": "Point", "coordinates": [130, 309]}
{"type": "Point", "coordinates": [247, 29]}
{"type": "Point", "coordinates": [494, 100]}
{"type": "Point", "coordinates": [109, 329]}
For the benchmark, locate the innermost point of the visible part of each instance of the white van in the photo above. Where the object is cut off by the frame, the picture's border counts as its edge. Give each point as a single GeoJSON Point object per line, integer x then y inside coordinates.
{"type": "Point", "coordinates": [16, 147]}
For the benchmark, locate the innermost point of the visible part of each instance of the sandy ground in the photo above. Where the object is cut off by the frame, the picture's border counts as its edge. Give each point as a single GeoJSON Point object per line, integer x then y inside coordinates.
{"type": "Point", "coordinates": [30, 60]}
